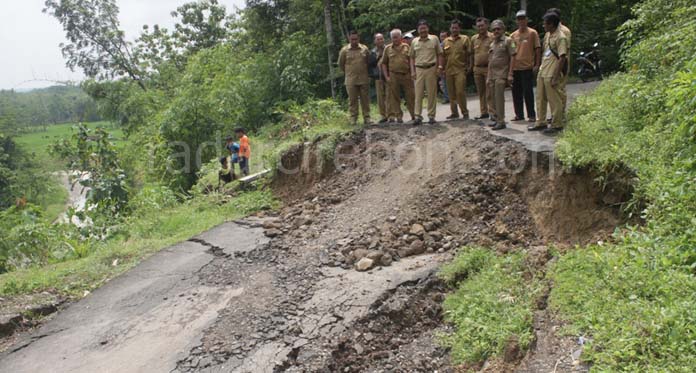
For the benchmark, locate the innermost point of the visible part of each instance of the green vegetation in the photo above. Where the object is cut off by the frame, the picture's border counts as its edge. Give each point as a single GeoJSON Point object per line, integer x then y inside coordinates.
{"type": "Point", "coordinates": [42, 164]}
{"type": "Point", "coordinates": [493, 304]}
{"type": "Point", "coordinates": [161, 221]}
{"type": "Point", "coordinates": [39, 108]}
{"type": "Point", "coordinates": [636, 298]}
{"type": "Point", "coordinates": [40, 143]}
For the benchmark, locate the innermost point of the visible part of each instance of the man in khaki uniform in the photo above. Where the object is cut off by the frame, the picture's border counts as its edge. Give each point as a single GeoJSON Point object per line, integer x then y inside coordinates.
{"type": "Point", "coordinates": [482, 44]}
{"type": "Point", "coordinates": [458, 52]}
{"type": "Point", "coordinates": [527, 61]}
{"type": "Point", "coordinates": [352, 59]}
{"type": "Point", "coordinates": [380, 83]}
{"type": "Point", "coordinates": [395, 68]}
{"type": "Point", "coordinates": [568, 34]}
{"type": "Point", "coordinates": [500, 67]}
{"type": "Point", "coordinates": [551, 74]}
{"type": "Point", "coordinates": [426, 65]}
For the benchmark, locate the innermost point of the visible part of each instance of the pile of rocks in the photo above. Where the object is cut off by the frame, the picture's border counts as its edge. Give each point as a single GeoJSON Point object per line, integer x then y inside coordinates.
{"type": "Point", "coordinates": [392, 241]}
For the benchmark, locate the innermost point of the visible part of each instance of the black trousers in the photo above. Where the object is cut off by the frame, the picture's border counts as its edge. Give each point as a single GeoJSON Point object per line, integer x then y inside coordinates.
{"type": "Point", "coordinates": [523, 90]}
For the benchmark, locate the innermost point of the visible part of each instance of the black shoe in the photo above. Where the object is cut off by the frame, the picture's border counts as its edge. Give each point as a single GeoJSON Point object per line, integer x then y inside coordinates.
{"type": "Point", "coordinates": [499, 126]}
{"type": "Point", "coordinates": [516, 119]}
{"type": "Point", "coordinates": [416, 122]}
{"type": "Point", "coordinates": [399, 120]}
{"type": "Point", "coordinates": [492, 124]}
{"type": "Point", "coordinates": [536, 128]}
{"type": "Point", "coordinates": [383, 120]}
{"type": "Point", "coordinates": [465, 117]}
{"type": "Point", "coordinates": [432, 121]}
{"type": "Point", "coordinates": [552, 131]}
{"type": "Point", "coordinates": [482, 116]}
{"type": "Point", "coordinates": [453, 116]}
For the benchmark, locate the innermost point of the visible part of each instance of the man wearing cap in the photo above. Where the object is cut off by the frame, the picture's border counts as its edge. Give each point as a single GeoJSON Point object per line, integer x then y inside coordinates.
{"type": "Point", "coordinates": [408, 38]}
{"type": "Point", "coordinates": [482, 44]}
{"type": "Point", "coordinates": [426, 65]}
{"type": "Point", "coordinates": [527, 61]}
{"type": "Point", "coordinates": [353, 60]}
{"type": "Point", "coordinates": [458, 53]}
{"type": "Point", "coordinates": [395, 68]}
{"type": "Point", "coordinates": [380, 83]}
{"type": "Point", "coordinates": [551, 75]}
{"type": "Point", "coordinates": [500, 67]}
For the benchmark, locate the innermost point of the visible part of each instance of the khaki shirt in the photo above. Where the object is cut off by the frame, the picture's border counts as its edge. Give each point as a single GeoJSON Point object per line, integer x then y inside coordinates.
{"type": "Point", "coordinates": [499, 57]}
{"type": "Point", "coordinates": [567, 33]}
{"type": "Point", "coordinates": [481, 47]}
{"type": "Point", "coordinates": [353, 62]}
{"type": "Point", "coordinates": [526, 42]}
{"type": "Point", "coordinates": [457, 53]}
{"type": "Point", "coordinates": [425, 51]}
{"type": "Point", "coordinates": [396, 58]}
{"type": "Point", "coordinates": [558, 42]}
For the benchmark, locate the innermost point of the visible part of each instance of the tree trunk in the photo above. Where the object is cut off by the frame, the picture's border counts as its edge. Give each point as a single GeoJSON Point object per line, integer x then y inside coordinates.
{"type": "Point", "coordinates": [328, 26]}
{"type": "Point", "coordinates": [481, 8]}
{"type": "Point", "coordinates": [523, 4]}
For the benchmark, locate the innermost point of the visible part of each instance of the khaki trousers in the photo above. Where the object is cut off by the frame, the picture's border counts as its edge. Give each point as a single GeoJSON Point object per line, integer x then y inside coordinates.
{"type": "Point", "coordinates": [426, 82]}
{"type": "Point", "coordinates": [497, 86]}
{"type": "Point", "coordinates": [456, 88]}
{"type": "Point", "coordinates": [381, 88]}
{"type": "Point", "coordinates": [400, 82]}
{"type": "Point", "coordinates": [485, 94]}
{"type": "Point", "coordinates": [546, 94]}
{"type": "Point", "coordinates": [562, 91]}
{"type": "Point", "coordinates": [359, 92]}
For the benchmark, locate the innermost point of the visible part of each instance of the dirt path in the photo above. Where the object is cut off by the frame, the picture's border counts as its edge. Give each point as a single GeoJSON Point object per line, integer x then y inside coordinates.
{"type": "Point", "coordinates": [341, 279]}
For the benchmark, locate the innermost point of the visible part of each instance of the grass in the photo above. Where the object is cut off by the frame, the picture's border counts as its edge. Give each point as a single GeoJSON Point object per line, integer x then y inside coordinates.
{"type": "Point", "coordinates": [154, 227]}
{"type": "Point", "coordinates": [638, 312]}
{"type": "Point", "coordinates": [38, 145]}
{"type": "Point", "coordinates": [148, 233]}
{"type": "Point", "coordinates": [636, 298]}
{"type": "Point", "coordinates": [491, 305]}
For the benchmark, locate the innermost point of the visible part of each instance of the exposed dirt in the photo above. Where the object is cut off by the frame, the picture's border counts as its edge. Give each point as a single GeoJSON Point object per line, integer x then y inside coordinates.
{"type": "Point", "coordinates": [346, 280]}
{"type": "Point", "coordinates": [334, 290]}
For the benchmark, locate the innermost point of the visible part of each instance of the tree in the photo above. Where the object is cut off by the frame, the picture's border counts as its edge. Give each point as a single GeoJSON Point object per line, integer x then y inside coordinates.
{"type": "Point", "coordinates": [96, 43]}
{"type": "Point", "coordinates": [202, 25]}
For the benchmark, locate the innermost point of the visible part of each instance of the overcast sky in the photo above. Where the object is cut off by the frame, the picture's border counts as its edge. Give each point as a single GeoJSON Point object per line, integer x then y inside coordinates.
{"type": "Point", "coordinates": [29, 38]}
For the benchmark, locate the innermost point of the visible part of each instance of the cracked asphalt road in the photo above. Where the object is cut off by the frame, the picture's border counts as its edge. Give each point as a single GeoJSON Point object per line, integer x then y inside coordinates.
{"type": "Point", "coordinates": [143, 321]}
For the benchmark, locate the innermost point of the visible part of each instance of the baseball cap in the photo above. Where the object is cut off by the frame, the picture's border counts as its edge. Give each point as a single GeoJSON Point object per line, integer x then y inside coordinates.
{"type": "Point", "coordinates": [521, 13]}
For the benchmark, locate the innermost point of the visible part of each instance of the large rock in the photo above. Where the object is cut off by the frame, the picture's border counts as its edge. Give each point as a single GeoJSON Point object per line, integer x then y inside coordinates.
{"type": "Point", "coordinates": [359, 254]}
{"type": "Point", "coordinates": [273, 233]}
{"type": "Point", "coordinates": [417, 230]}
{"type": "Point", "coordinates": [417, 247]}
{"type": "Point", "coordinates": [364, 264]}
{"type": "Point", "coordinates": [375, 255]}
{"type": "Point", "coordinates": [386, 260]}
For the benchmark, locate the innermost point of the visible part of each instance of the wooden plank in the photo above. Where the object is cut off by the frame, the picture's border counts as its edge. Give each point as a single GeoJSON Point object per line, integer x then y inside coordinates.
{"type": "Point", "coordinates": [253, 177]}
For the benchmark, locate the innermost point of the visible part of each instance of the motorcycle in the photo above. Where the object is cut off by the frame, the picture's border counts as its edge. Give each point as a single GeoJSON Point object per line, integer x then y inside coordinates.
{"type": "Point", "coordinates": [590, 64]}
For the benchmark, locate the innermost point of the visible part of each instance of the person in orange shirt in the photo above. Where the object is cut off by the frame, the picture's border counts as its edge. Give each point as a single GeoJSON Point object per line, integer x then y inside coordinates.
{"type": "Point", "coordinates": [527, 62]}
{"type": "Point", "coordinates": [244, 150]}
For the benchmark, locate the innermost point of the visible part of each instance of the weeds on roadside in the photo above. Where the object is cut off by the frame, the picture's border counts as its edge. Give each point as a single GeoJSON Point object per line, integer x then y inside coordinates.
{"type": "Point", "coordinates": [491, 304]}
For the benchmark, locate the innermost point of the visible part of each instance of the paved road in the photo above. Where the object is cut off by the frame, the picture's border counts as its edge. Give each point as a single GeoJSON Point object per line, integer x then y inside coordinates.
{"type": "Point", "coordinates": [533, 141]}
{"type": "Point", "coordinates": [143, 321]}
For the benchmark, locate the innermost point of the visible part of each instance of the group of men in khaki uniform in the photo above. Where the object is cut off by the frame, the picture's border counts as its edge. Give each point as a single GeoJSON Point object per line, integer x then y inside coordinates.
{"type": "Point", "coordinates": [411, 68]}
